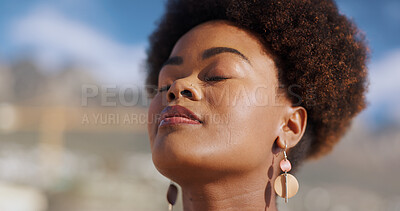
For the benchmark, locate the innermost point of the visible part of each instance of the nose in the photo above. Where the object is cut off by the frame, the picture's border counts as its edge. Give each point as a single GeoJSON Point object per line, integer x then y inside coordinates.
{"type": "Point", "coordinates": [183, 88]}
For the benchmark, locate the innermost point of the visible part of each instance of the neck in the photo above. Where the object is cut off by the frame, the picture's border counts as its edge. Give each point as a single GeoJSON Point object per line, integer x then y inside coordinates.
{"type": "Point", "coordinates": [246, 192]}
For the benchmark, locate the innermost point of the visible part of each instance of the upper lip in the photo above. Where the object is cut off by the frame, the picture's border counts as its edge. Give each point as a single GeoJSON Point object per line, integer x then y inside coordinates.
{"type": "Point", "coordinates": [178, 111]}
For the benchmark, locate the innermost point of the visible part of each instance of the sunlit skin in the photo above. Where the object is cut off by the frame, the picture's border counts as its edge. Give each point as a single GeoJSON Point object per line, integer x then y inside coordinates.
{"type": "Point", "coordinates": [230, 160]}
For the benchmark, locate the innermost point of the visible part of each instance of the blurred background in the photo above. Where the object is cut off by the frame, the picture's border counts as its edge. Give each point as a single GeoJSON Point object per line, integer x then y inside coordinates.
{"type": "Point", "coordinates": [73, 112]}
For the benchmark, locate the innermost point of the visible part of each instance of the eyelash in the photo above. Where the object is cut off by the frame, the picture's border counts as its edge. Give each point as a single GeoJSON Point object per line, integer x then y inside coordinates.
{"type": "Point", "coordinates": [213, 78]}
{"type": "Point", "coordinates": [164, 88]}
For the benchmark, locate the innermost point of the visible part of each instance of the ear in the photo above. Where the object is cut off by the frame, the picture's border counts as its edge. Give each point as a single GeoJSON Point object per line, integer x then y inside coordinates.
{"type": "Point", "coordinates": [293, 127]}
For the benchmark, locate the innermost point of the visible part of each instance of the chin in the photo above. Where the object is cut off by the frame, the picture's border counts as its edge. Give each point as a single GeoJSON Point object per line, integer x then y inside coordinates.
{"type": "Point", "coordinates": [185, 163]}
{"type": "Point", "coordinates": [170, 158]}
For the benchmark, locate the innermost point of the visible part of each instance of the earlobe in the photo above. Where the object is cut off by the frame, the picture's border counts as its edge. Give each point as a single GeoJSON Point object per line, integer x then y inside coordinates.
{"type": "Point", "coordinates": [280, 142]}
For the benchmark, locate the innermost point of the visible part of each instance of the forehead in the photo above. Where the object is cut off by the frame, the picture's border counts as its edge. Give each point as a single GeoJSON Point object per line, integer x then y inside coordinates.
{"type": "Point", "coordinates": [192, 45]}
{"type": "Point", "coordinates": [217, 34]}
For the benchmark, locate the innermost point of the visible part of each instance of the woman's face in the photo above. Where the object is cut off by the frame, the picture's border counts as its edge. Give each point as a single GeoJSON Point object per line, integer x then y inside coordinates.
{"type": "Point", "coordinates": [222, 74]}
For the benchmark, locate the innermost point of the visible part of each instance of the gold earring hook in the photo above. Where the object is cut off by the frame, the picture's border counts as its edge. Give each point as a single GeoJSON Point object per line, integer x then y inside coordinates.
{"type": "Point", "coordinates": [284, 152]}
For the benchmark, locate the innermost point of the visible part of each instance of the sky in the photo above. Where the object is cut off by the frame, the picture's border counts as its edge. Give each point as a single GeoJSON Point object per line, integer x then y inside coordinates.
{"type": "Point", "coordinates": [110, 38]}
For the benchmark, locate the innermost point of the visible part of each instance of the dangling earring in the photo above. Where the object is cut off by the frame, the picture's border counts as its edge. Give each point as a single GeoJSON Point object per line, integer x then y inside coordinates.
{"type": "Point", "coordinates": [172, 195]}
{"type": "Point", "coordinates": [286, 185]}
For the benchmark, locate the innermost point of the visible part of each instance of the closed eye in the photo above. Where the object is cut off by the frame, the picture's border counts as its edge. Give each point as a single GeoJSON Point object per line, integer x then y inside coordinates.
{"type": "Point", "coordinates": [215, 78]}
{"type": "Point", "coordinates": [164, 88]}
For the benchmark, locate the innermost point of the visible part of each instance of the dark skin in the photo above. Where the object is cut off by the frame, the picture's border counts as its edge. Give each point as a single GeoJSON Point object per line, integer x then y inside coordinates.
{"type": "Point", "coordinates": [229, 164]}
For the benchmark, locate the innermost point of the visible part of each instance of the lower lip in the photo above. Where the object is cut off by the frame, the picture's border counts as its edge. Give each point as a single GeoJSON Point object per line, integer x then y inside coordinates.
{"type": "Point", "coordinates": [178, 120]}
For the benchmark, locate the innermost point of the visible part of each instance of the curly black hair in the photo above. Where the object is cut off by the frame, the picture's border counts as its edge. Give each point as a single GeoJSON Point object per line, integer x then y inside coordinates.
{"type": "Point", "coordinates": [320, 54]}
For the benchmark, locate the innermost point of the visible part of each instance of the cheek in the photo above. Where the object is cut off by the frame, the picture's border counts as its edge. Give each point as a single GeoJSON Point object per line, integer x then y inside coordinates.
{"type": "Point", "coordinates": [242, 127]}
{"type": "Point", "coordinates": [152, 118]}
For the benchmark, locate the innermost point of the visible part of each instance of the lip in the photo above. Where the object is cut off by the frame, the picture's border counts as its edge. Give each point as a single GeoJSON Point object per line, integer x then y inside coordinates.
{"type": "Point", "coordinates": [177, 114]}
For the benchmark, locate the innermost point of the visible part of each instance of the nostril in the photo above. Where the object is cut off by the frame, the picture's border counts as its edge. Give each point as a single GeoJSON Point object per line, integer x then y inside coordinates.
{"type": "Point", "coordinates": [171, 96]}
{"type": "Point", "coordinates": [186, 93]}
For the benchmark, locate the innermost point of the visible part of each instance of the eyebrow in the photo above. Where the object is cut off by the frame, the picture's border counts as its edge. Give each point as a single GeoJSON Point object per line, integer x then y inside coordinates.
{"type": "Point", "coordinates": [178, 60]}
{"type": "Point", "coordinates": [217, 50]}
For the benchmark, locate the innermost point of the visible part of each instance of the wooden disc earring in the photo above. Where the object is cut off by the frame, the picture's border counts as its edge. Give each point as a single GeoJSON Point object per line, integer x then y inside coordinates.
{"type": "Point", "coordinates": [286, 185]}
{"type": "Point", "coordinates": [172, 195]}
